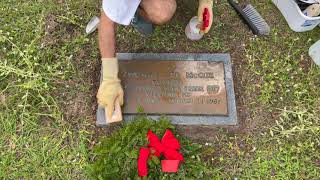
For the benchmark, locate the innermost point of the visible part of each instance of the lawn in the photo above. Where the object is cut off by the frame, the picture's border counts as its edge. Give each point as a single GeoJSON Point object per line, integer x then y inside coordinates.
{"type": "Point", "coordinates": [49, 71]}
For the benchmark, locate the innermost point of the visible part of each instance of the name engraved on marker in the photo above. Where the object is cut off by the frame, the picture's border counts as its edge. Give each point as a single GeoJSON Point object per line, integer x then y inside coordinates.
{"type": "Point", "coordinates": [190, 75]}
{"type": "Point", "coordinates": [174, 87]}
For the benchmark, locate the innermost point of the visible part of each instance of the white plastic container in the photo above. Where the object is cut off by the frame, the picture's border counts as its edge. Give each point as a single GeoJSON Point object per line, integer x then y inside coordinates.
{"type": "Point", "coordinates": [192, 30]}
{"type": "Point", "coordinates": [297, 21]}
{"type": "Point", "coordinates": [314, 53]}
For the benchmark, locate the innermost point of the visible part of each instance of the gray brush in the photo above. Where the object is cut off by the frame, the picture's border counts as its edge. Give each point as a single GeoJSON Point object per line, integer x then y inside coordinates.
{"type": "Point", "coordinates": [253, 18]}
{"type": "Point", "coordinates": [257, 20]}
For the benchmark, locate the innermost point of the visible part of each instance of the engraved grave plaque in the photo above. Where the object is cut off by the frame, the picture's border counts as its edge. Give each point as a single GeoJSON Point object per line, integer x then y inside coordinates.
{"type": "Point", "coordinates": [188, 88]}
{"type": "Point", "coordinates": [174, 87]}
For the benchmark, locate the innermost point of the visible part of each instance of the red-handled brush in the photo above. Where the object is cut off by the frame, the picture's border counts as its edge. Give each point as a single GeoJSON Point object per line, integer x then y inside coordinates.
{"type": "Point", "coordinates": [206, 18]}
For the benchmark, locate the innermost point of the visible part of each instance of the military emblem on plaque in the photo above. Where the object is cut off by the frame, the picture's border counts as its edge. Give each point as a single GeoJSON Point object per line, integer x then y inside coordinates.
{"type": "Point", "coordinates": [188, 88]}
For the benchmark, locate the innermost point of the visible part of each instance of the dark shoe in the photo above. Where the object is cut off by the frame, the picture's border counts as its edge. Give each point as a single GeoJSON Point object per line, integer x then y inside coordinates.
{"type": "Point", "coordinates": [144, 27]}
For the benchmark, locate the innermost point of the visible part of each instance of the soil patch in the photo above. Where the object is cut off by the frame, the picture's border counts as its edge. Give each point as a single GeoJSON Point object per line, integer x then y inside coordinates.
{"type": "Point", "coordinates": [2, 99]}
{"type": "Point", "coordinates": [57, 31]}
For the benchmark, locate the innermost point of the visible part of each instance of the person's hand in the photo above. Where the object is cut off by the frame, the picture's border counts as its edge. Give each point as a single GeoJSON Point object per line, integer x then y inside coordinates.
{"type": "Point", "coordinates": [205, 4]}
{"type": "Point", "coordinates": [110, 89]}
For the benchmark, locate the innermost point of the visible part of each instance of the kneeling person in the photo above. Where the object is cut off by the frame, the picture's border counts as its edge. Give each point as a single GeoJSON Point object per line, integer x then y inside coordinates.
{"type": "Point", "coordinates": [141, 14]}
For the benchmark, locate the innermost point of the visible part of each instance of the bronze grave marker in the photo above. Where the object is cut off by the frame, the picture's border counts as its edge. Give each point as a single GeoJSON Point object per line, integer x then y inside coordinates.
{"type": "Point", "coordinates": [174, 87]}
{"type": "Point", "coordinates": [188, 88]}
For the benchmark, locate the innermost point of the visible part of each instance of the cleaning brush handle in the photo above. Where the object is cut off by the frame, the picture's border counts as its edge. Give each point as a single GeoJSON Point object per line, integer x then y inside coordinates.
{"type": "Point", "coordinates": [235, 6]}
{"type": "Point", "coordinates": [243, 16]}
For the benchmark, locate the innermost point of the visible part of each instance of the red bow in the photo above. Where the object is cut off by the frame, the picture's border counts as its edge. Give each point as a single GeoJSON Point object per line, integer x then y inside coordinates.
{"type": "Point", "coordinates": [169, 146]}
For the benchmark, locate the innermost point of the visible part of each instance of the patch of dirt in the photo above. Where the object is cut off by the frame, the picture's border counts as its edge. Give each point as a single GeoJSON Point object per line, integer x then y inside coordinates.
{"type": "Point", "coordinates": [205, 134]}
{"type": "Point", "coordinates": [79, 101]}
{"type": "Point", "coordinates": [75, 105]}
{"type": "Point", "coordinates": [60, 1]}
{"type": "Point", "coordinates": [76, 96]}
{"type": "Point", "coordinates": [305, 63]}
{"type": "Point", "coordinates": [46, 121]}
{"type": "Point", "coordinates": [104, 132]}
{"type": "Point", "coordinates": [2, 99]}
{"type": "Point", "coordinates": [57, 31]}
{"type": "Point", "coordinates": [317, 162]}
{"type": "Point", "coordinates": [51, 24]}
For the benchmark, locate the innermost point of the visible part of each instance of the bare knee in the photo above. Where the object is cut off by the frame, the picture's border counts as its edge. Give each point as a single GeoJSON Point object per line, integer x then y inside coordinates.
{"type": "Point", "coordinates": [159, 11]}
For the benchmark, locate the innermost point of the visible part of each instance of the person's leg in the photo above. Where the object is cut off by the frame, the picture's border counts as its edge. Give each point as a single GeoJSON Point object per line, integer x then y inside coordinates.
{"type": "Point", "coordinates": [157, 11]}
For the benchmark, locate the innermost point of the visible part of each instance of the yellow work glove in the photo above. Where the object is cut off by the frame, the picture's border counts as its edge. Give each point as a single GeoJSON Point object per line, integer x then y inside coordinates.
{"type": "Point", "coordinates": [110, 89]}
{"type": "Point", "coordinates": [203, 4]}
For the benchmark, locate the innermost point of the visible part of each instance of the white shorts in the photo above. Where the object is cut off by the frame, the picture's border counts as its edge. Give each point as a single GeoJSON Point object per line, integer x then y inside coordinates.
{"type": "Point", "coordinates": [120, 11]}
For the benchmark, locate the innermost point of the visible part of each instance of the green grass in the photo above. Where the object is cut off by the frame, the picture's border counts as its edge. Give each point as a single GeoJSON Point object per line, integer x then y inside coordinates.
{"type": "Point", "coordinates": [289, 76]}
{"type": "Point", "coordinates": [36, 141]}
{"type": "Point", "coordinates": [48, 72]}
{"type": "Point", "coordinates": [290, 150]}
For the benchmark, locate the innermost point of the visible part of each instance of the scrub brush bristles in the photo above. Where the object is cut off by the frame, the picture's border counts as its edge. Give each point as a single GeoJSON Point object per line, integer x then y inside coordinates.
{"type": "Point", "coordinates": [251, 16]}
{"type": "Point", "coordinates": [254, 16]}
